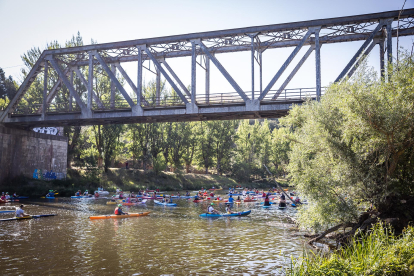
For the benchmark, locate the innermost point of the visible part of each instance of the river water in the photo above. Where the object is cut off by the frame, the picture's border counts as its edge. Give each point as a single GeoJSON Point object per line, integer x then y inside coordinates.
{"type": "Point", "coordinates": [170, 241]}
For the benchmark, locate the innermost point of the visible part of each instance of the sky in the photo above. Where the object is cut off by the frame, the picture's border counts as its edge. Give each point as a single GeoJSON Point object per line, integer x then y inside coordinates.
{"type": "Point", "coordinates": [26, 24]}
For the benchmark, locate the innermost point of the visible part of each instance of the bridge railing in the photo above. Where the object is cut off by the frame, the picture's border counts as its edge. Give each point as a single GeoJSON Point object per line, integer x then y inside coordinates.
{"type": "Point", "coordinates": [225, 98]}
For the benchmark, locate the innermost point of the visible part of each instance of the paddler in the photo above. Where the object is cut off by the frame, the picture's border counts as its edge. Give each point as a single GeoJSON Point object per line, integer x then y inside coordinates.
{"type": "Point", "coordinates": [211, 210]}
{"type": "Point", "coordinates": [231, 199]}
{"type": "Point", "coordinates": [20, 212]}
{"type": "Point", "coordinates": [266, 202]}
{"type": "Point", "coordinates": [78, 193]}
{"type": "Point", "coordinates": [86, 193]}
{"type": "Point", "coordinates": [51, 193]}
{"type": "Point", "coordinates": [282, 202]}
{"type": "Point", "coordinates": [228, 208]}
{"type": "Point", "coordinates": [118, 210]}
{"type": "Point", "coordinates": [96, 194]}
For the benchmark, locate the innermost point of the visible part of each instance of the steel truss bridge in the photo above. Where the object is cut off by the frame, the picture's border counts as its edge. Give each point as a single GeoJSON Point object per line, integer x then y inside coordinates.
{"type": "Point", "coordinates": [261, 102]}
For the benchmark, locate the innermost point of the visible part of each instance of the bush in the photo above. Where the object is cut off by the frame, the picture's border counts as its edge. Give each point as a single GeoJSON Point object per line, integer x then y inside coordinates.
{"type": "Point", "coordinates": [379, 252]}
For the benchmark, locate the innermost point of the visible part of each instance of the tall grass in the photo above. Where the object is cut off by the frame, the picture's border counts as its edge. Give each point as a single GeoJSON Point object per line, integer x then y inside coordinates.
{"type": "Point", "coordinates": [379, 252]}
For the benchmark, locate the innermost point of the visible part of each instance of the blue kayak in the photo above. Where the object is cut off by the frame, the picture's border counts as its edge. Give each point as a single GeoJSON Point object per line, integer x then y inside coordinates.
{"type": "Point", "coordinates": [240, 214]}
{"type": "Point", "coordinates": [7, 211]}
{"type": "Point", "coordinates": [81, 197]}
{"type": "Point", "coordinates": [164, 203]}
{"type": "Point", "coordinates": [21, 197]}
{"type": "Point", "coordinates": [50, 197]}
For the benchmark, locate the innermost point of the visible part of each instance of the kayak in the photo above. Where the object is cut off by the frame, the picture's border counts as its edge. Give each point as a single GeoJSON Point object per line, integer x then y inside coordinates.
{"type": "Point", "coordinates": [249, 200]}
{"type": "Point", "coordinates": [164, 203]}
{"type": "Point", "coordinates": [133, 203]}
{"type": "Point", "coordinates": [51, 197]}
{"type": "Point", "coordinates": [28, 217]}
{"type": "Point", "coordinates": [21, 197]}
{"type": "Point", "coordinates": [80, 196]}
{"type": "Point", "coordinates": [198, 200]}
{"type": "Point", "coordinates": [240, 214]}
{"type": "Point", "coordinates": [7, 211]}
{"type": "Point", "coordinates": [120, 216]}
{"type": "Point", "coordinates": [151, 197]}
{"type": "Point", "coordinates": [280, 207]}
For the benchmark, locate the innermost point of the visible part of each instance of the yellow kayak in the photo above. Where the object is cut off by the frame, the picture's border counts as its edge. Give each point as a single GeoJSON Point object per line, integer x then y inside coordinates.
{"type": "Point", "coordinates": [120, 216]}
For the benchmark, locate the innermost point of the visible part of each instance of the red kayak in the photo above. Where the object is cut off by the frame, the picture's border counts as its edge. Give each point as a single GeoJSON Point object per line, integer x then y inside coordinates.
{"type": "Point", "coordinates": [197, 200]}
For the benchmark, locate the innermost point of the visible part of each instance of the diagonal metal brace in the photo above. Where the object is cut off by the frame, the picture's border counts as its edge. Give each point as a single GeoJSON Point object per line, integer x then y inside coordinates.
{"type": "Point", "coordinates": [72, 91]}
{"type": "Point", "coordinates": [85, 83]}
{"type": "Point", "coordinates": [293, 73]}
{"type": "Point", "coordinates": [167, 77]}
{"type": "Point", "coordinates": [129, 81]}
{"type": "Point", "coordinates": [114, 79]}
{"type": "Point", "coordinates": [286, 64]}
{"type": "Point", "coordinates": [180, 83]}
{"type": "Point", "coordinates": [223, 71]}
{"type": "Point", "coordinates": [359, 52]}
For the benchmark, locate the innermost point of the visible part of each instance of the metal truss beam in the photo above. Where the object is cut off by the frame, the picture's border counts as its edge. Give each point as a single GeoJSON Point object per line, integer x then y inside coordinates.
{"type": "Point", "coordinates": [180, 83]}
{"type": "Point", "coordinates": [285, 65]}
{"type": "Point", "coordinates": [167, 77]}
{"type": "Point", "coordinates": [114, 79]}
{"type": "Point", "coordinates": [24, 86]}
{"type": "Point", "coordinates": [359, 52]}
{"type": "Point", "coordinates": [223, 71]}
{"type": "Point", "coordinates": [362, 58]}
{"type": "Point", "coordinates": [329, 22]}
{"type": "Point", "coordinates": [86, 84]}
{"type": "Point", "coordinates": [72, 91]}
{"type": "Point", "coordinates": [293, 73]}
{"type": "Point", "coordinates": [130, 82]}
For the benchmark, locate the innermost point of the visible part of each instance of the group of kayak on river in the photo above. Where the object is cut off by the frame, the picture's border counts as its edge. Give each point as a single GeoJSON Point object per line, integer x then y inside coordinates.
{"type": "Point", "coordinates": [6, 197]}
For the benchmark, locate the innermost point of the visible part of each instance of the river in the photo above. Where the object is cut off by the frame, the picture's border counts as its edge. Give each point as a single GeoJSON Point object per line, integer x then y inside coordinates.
{"type": "Point", "coordinates": [170, 241]}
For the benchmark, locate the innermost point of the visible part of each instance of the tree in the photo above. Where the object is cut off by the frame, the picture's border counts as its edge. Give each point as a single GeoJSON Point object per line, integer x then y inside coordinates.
{"type": "Point", "coordinates": [355, 149]}
{"type": "Point", "coordinates": [8, 87]}
{"type": "Point", "coordinates": [205, 145]}
{"type": "Point", "coordinates": [224, 133]}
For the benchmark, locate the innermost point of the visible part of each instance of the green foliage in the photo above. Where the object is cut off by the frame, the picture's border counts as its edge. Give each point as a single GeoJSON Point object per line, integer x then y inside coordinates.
{"type": "Point", "coordinates": [379, 252]}
{"type": "Point", "coordinates": [8, 88]}
{"type": "Point", "coordinates": [354, 147]}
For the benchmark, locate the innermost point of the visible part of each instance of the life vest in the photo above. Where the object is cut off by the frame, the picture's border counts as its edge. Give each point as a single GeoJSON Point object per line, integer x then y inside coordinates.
{"type": "Point", "coordinates": [117, 212]}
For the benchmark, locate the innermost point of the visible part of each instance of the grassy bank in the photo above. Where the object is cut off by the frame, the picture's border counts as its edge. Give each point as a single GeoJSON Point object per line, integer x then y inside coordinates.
{"type": "Point", "coordinates": [378, 253]}
{"type": "Point", "coordinates": [128, 180]}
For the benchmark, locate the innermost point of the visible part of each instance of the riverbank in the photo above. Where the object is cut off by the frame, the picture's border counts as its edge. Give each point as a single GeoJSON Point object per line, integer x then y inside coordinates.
{"type": "Point", "coordinates": [128, 180]}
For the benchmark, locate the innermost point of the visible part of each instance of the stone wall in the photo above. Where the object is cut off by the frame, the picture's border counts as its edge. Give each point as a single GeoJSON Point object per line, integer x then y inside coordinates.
{"type": "Point", "coordinates": [21, 152]}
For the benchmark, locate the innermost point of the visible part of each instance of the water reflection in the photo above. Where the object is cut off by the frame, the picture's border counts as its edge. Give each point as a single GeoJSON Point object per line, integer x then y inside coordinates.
{"type": "Point", "coordinates": [170, 241]}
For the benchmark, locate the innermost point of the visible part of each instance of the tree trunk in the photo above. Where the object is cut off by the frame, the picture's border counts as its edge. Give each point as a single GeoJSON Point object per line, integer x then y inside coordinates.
{"type": "Point", "coordinates": [100, 162]}
{"type": "Point", "coordinates": [187, 168]}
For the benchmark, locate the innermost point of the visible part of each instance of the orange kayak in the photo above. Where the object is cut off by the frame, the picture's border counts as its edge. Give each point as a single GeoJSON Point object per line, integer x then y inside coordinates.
{"type": "Point", "coordinates": [121, 216]}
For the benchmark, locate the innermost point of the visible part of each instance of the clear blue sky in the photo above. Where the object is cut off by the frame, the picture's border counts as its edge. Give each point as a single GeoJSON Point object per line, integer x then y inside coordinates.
{"type": "Point", "coordinates": [27, 24]}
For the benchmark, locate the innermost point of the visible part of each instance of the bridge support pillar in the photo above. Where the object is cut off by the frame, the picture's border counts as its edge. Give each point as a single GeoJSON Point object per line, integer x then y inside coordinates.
{"type": "Point", "coordinates": [21, 152]}
{"type": "Point", "coordinates": [253, 105]}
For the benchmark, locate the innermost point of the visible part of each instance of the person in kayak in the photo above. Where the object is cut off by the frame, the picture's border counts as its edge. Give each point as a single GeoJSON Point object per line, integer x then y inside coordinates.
{"type": "Point", "coordinates": [20, 212]}
{"type": "Point", "coordinates": [282, 202]}
{"type": "Point", "coordinates": [118, 210]}
{"type": "Point", "coordinates": [211, 210]}
{"type": "Point", "coordinates": [231, 199]}
{"type": "Point", "coordinates": [86, 193]}
{"type": "Point", "coordinates": [266, 202]}
{"type": "Point", "coordinates": [187, 193]}
{"type": "Point", "coordinates": [228, 208]}
{"type": "Point", "coordinates": [78, 193]}
{"type": "Point", "coordinates": [96, 194]}
{"type": "Point", "coordinates": [50, 193]}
